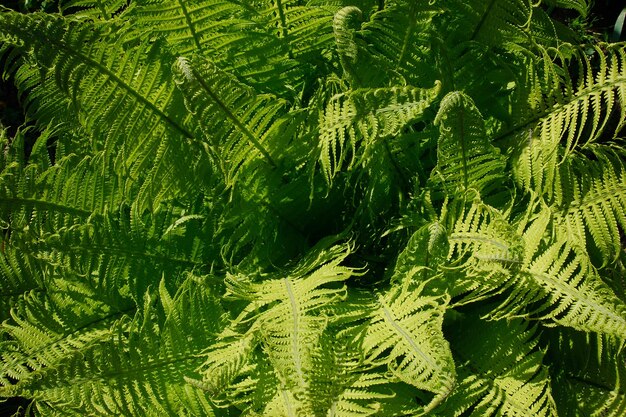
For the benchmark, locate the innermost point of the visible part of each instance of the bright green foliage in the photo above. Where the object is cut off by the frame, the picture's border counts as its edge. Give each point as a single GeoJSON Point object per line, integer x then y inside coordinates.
{"type": "Point", "coordinates": [326, 208]}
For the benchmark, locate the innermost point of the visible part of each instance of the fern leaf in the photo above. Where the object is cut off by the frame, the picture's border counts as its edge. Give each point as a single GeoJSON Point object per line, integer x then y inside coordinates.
{"type": "Point", "coordinates": [248, 122]}
{"type": "Point", "coordinates": [139, 367]}
{"type": "Point", "coordinates": [103, 9]}
{"type": "Point", "coordinates": [404, 333]}
{"type": "Point", "coordinates": [397, 34]}
{"type": "Point", "coordinates": [464, 154]}
{"type": "Point", "coordinates": [360, 117]}
{"type": "Point", "coordinates": [303, 29]}
{"type": "Point", "coordinates": [562, 286]}
{"type": "Point", "coordinates": [285, 317]}
{"type": "Point", "coordinates": [492, 22]}
{"type": "Point", "coordinates": [121, 95]}
{"type": "Point", "coordinates": [486, 248]}
{"type": "Point", "coordinates": [555, 121]}
{"type": "Point", "coordinates": [501, 373]}
{"type": "Point", "coordinates": [48, 328]}
{"type": "Point", "coordinates": [593, 201]}
{"type": "Point", "coordinates": [581, 6]}
{"type": "Point", "coordinates": [595, 373]}
{"type": "Point", "coordinates": [187, 26]}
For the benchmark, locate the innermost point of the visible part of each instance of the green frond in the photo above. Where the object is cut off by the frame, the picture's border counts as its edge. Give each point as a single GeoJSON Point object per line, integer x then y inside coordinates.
{"type": "Point", "coordinates": [581, 6]}
{"type": "Point", "coordinates": [484, 246]}
{"type": "Point", "coordinates": [345, 388]}
{"type": "Point", "coordinates": [465, 157]}
{"type": "Point", "coordinates": [345, 24]}
{"type": "Point", "coordinates": [144, 358]}
{"type": "Point", "coordinates": [354, 120]}
{"type": "Point", "coordinates": [188, 26]}
{"type": "Point", "coordinates": [399, 33]}
{"type": "Point", "coordinates": [18, 275]}
{"type": "Point", "coordinates": [303, 29]}
{"type": "Point", "coordinates": [555, 121]}
{"type": "Point", "coordinates": [404, 334]}
{"type": "Point", "coordinates": [501, 371]}
{"type": "Point", "coordinates": [121, 94]}
{"type": "Point", "coordinates": [493, 22]}
{"type": "Point", "coordinates": [102, 9]}
{"type": "Point", "coordinates": [586, 381]}
{"type": "Point", "coordinates": [284, 317]}
{"type": "Point", "coordinates": [562, 287]}
{"type": "Point", "coordinates": [248, 121]}
{"type": "Point", "coordinates": [425, 252]}
{"type": "Point", "coordinates": [594, 203]}
{"type": "Point", "coordinates": [269, 56]}
{"type": "Point", "coordinates": [50, 324]}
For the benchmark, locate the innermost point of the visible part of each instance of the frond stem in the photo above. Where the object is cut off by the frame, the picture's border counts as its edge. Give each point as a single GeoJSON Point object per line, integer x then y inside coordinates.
{"type": "Point", "coordinates": [233, 118]}
{"type": "Point", "coordinates": [196, 40]}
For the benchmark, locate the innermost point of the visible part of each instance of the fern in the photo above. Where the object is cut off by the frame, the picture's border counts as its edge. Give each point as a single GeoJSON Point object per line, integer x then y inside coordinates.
{"type": "Point", "coordinates": [312, 208]}
{"type": "Point", "coordinates": [464, 149]}
{"type": "Point", "coordinates": [371, 115]}
{"type": "Point", "coordinates": [494, 381]}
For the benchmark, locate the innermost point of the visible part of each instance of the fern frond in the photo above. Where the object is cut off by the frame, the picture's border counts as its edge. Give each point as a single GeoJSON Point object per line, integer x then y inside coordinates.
{"type": "Point", "coordinates": [404, 334]}
{"type": "Point", "coordinates": [555, 119]}
{"type": "Point", "coordinates": [285, 317]}
{"type": "Point", "coordinates": [501, 373]}
{"type": "Point", "coordinates": [494, 22]}
{"type": "Point", "coordinates": [345, 388]}
{"type": "Point", "coordinates": [486, 248]}
{"type": "Point", "coordinates": [47, 327]}
{"type": "Point", "coordinates": [593, 202]}
{"type": "Point", "coordinates": [399, 33]}
{"type": "Point", "coordinates": [139, 368]}
{"type": "Point", "coordinates": [187, 26]}
{"type": "Point", "coordinates": [102, 9]}
{"type": "Point", "coordinates": [238, 37]}
{"type": "Point", "coordinates": [289, 328]}
{"type": "Point", "coordinates": [303, 29]}
{"type": "Point", "coordinates": [465, 158]}
{"type": "Point", "coordinates": [562, 287]}
{"type": "Point", "coordinates": [121, 94]}
{"type": "Point", "coordinates": [359, 118]}
{"type": "Point", "coordinates": [248, 121]}
{"type": "Point", "coordinates": [595, 373]}
{"type": "Point", "coordinates": [18, 275]}
{"type": "Point", "coordinates": [581, 6]}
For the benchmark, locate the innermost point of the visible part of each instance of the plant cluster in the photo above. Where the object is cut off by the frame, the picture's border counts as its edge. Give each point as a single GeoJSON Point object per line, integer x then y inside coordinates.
{"type": "Point", "coordinates": [313, 208]}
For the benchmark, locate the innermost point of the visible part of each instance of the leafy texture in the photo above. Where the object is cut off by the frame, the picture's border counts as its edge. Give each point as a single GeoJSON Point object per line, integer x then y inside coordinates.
{"type": "Point", "coordinates": [322, 208]}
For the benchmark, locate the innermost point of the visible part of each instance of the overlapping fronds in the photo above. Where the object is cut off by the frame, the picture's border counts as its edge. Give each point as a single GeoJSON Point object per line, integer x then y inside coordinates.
{"type": "Point", "coordinates": [565, 286]}
{"type": "Point", "coordinates": [283, 316]}
{"type": "Point", "coordinates": [404, 333]}
{"type": "Point", "coordinates": [247, 122]}
{"type": "Point", "coordinates": [322, 208]}
{"type": "Point", "coordinates": [352, 121]}
{"type": "Point", "coordinates": [493, 22]}
{"type": "Point", "coordinates": [188, 26]}
{"type": "Point", "coordinates": [591, 373]}
{"type": "Point", "coordinates": [120, 94]}
{"type": "Point", "coordinates": [465, 157]}
{"type": "Point", "coordinates": [103, 9]}
{"type": "Point", "coordinates": [501, 371]}
{"type": "Point", "coordinates": [553, 119]}
{"type": "Point", "coordinates": [399, 32]}
{"type": "Point", "coordinates": [593, 201]}
{"type": "Point", "coordinates": [114, 359]}
{"type": "Point", "coordinates": [302, 28]}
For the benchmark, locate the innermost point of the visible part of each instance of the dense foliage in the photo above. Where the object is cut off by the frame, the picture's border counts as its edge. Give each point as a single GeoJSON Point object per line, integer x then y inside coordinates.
{"type": "Point", "coordinates": [313, 208]}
